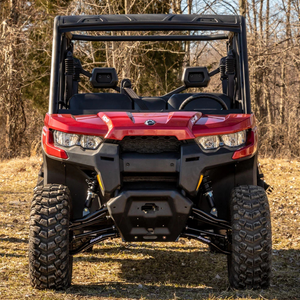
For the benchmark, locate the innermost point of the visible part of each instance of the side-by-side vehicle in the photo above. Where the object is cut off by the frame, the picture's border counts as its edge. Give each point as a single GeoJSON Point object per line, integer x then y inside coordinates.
{"type": "Point", "coordinates": [117, 164]}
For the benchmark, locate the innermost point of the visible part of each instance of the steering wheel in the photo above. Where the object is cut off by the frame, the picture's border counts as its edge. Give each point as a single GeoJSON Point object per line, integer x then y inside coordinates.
{"type": "Point", "coordinates": [197, 96]}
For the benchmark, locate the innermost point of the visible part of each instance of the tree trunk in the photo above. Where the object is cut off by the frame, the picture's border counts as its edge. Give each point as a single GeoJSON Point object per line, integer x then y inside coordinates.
{"type": "Point", "coordinates": [242, 7]}
{"type": "Point", "coordinates": [126, 70]}
{"type": "Point", "coordinates": [267, 72]}
{"type": "Point", "coordinates": [282, 93]}
{"type": "Point", "coordinates": [15, 117]}
{"type": "Point", "coordinates": [187, 43]}
{"type": "Point", "coordinates": [176, 6]}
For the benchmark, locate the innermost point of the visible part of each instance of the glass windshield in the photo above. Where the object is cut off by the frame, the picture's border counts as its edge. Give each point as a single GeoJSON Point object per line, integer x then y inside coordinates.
{"type": "Point", "coordinates": [154, 67]}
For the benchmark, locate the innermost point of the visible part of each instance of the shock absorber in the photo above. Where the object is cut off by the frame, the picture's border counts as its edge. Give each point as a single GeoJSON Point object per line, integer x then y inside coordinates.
{"type": "Point", "coordinates": [208, 193]}
{"type": "Point", "coordinates": [77, 69]}
{"type": "Point", "coordinates": [91, 195]}
{"type": "Point", "coordinates": [76, 76]}
{"type": "Point", "coordinates": [69, 71]}
{"type": "Point", "coordinates": [69, 64]}
{"type": "Point", "coordinates": [223, 75]}
{"type": "Point", "coordinates": [230, 72]}
{"type": "Point", "coordinates": [230, 63]}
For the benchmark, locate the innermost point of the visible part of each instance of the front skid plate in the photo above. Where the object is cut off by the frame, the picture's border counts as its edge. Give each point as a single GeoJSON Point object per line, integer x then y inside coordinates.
{"type": "Point", "coordinates": [151, 215]}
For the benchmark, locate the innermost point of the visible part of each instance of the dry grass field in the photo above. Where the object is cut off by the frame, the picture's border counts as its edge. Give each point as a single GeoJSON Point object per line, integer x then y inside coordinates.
{"type": "Point", "coordinates": [115, 270]}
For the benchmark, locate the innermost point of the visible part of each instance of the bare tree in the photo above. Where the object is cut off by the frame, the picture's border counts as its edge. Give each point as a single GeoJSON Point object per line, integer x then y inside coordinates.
{"type": "Point", "coordinates": [11, 100]}
{"type": "Point", "coordinates": [273, 46]}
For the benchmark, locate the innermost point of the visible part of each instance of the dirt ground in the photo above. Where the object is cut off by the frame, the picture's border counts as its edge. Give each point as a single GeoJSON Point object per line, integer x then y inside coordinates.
{"type": "Point", "coordinates": [116, 270]}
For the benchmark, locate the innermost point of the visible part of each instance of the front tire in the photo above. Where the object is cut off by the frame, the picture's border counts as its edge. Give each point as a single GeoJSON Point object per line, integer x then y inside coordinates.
{"type": "Point", "coordinates": [249, 265]}
{"type": "Point", "coordinates": [50, 265]}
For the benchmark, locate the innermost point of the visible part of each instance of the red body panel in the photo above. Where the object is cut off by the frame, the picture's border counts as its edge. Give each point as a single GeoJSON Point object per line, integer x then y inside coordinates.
{"type": "Point", "coordinates": [250, 147]}
{"type": "Point", "coordinates": [170, 124]}
{"type": "Point", "coordinates": [183, 125]}
{"type": "Point", "coordinates": [49, 147]}
{"type": "Point", "coordinates": [223, 124]}
{"type": "Point", "coordinates": [88, 124]}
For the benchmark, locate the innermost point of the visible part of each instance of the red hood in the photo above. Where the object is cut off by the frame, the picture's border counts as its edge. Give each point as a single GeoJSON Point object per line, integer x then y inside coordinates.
{"type": "Point", "coordinates": [183, 124]}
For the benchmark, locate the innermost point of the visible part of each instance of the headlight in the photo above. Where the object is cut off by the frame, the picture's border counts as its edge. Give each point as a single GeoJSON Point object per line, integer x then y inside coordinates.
{"type": "Point", "coordinates": [209, 142]}
{"type": "Point", "coordinates": [65, 139]}
{"type": "Point", "coordinates": [231, 140]}
{"type": "Point", "coordinates": [90, 142]}
{"type": "Point", "coordinates": [234, 139]}
{"type": "Point", "coordinates": [70, 139]}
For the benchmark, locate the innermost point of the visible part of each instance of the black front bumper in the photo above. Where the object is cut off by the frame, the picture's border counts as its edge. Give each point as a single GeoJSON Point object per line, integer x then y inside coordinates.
{"type": "Point", "coordinates": [110, 164]}
{"type": "Point", "coordinates": [178, 171]}
{"type": "Point", "coordinates": [153, 215]}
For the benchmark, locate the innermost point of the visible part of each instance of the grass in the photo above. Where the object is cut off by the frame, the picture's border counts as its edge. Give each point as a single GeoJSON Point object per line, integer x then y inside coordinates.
{"type": "Point", "coordinates": [117, 270]}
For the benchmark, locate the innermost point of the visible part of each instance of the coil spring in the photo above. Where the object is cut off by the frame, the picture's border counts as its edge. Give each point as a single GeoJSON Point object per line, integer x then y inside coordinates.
{"type": "Point", "coordinates": [223, 68]}
{"type": "Point", "coordinates": [206, 184]}
{"type": "Point", "coordinates": [208, 192]}
{"type": "Point", "coordinates": [230, 64]}
{"type": "Point", "coordinates": [69, 65]}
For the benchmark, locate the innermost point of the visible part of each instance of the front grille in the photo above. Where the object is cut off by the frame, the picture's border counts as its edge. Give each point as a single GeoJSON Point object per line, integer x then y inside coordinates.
{"type": "Point", "coordinates": [159, 177]}
{"type": "Point", "coordinates": [150, 144]}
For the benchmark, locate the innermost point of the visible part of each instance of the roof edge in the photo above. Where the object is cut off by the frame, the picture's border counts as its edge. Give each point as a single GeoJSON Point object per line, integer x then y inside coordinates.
{"type": "Point", "coordinates": [149, 19]}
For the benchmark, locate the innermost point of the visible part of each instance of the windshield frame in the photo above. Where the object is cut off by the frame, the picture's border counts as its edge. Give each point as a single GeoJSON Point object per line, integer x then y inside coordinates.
{"type": "Point", "coordinates": [63, 36]}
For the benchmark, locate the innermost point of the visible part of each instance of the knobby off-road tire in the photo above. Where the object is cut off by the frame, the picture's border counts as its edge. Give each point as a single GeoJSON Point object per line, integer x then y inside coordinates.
{"type": "Point", "coordinates": [50, 264]}
{"type": "Point", "coordinates": [249, 265]}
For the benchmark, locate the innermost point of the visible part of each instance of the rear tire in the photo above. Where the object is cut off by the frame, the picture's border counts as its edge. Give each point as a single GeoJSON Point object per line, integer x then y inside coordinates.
{"type": "Point", "coordinates": [50, 265]}
{"type": "Point", "coordinates": [249, 265]}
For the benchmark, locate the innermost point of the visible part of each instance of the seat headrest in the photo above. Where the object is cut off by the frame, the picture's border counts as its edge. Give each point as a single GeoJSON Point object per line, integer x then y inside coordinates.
{"type": "Point", "coordinates": [104, 78]}
{"type": "Point", "coordinates": [195, 77]}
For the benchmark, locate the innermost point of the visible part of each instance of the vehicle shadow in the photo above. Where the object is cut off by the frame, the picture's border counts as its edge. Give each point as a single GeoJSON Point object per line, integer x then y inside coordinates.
{"type": "Point", "coordinates": [158, 273]}
{"type": "Point", "coordinates": [131, 291]}
{"type": "Point", "coordinates": [155, 266]}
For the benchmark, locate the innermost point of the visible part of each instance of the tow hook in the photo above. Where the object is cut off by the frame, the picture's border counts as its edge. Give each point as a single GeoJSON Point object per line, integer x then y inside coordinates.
{"type": "Point", "coordinates": [149, 208]}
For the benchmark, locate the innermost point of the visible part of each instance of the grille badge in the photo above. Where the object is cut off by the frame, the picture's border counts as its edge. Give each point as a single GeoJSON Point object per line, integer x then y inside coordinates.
{"type": "Point", "coordinates": [150, 122]}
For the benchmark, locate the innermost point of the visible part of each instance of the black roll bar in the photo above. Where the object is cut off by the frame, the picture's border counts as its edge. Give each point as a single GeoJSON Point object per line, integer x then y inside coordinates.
{"type": "Point", "coordinates": [119, 38]}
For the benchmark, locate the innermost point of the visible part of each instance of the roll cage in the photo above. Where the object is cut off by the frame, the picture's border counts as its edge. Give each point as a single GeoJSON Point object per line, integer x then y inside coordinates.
{"type": "Point", "coordinates": [64, 28]}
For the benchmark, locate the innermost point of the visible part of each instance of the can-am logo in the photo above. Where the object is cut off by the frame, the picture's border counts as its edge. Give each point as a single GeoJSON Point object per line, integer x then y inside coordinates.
{"type": "Point", "coordinates": [105, 118]}
{"type": "Point", "coordinates": [194, 119]}
{"type": "Point", "coordinates": [150, 122]}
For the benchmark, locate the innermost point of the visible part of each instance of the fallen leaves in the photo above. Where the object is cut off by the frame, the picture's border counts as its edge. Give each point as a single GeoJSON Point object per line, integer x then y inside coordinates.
{"type": "Point", "coordinates": [117, 270]}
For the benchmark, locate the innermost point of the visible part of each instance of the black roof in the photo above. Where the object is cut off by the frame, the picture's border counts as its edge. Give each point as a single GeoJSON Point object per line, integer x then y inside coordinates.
{"type": "Point", "coordinates": [148, 21]}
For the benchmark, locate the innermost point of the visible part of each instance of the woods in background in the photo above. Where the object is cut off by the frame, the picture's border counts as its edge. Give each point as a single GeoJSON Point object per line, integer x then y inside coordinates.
{"type": "Point", "coordinates": [273, 48]}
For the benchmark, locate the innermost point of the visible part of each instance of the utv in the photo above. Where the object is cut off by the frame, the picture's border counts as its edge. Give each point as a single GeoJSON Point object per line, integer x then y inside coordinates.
{"type": "Point", "coordinates": [150, 169]}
